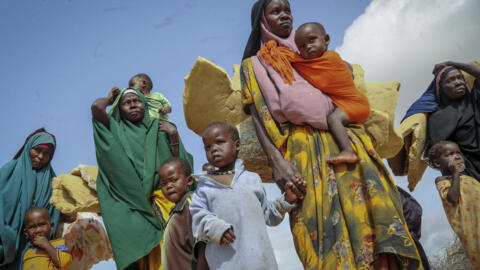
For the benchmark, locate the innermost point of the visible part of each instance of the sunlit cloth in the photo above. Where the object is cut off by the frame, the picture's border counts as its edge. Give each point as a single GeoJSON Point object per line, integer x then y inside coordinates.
{"type": "Point", "coordinates": [87, 241]}
{"type": "Point", "coordinates": [128, 157]}
{"type": "Point", "coordinates": [156, 101]}
{"type": "Point", "coordinates": [465, 216]}
{"type": "Point", "coordinates": [37, 259]}
{"type": "Point", "coordinates": [329, 73]}
{"type": "Point", "coordinates": [161, 206]}
{"type": "Point", "coordinates": [22, 187]}
{"type": "Point", "coordinates": [351, 213]}
{"type": "Point", "coordinates": [300, 102]}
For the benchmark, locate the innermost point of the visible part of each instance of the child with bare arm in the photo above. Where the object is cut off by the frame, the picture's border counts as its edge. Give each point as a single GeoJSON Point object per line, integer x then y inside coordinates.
{"type": "Point", "coordinates": [312, 41]}
{"type": "Point", "coordinates": [229, 207]}
{"type": "Point", "coordinates": [158, 104]}
{"type": "Point", "coordinates": [459, 193]}
{"type": "Point", "coordinates": [44, 254]}
{"type": "Point", "coordinates": [326, 71]}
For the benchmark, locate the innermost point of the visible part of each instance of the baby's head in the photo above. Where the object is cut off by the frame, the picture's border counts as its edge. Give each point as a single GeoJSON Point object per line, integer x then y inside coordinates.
{"type": "Point", "coordinates": [222, 144]}
{"type": "Point", "coordinates": [444, 154]}
{"type": "Point", "coordinates": [142, 82]}
{"type": "Point", "coordinates": [37, 223]}
{"type": "Point", "coordinates": [312, 40]}
{"type": "Point", "coordinates": [175, 178]}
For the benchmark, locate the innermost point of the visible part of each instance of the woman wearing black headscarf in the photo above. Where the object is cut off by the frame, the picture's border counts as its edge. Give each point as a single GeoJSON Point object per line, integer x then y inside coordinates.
{"type": "Point", "coordinates": [457, 117]}
{"type": "Point", "coordinates": [351, 215]}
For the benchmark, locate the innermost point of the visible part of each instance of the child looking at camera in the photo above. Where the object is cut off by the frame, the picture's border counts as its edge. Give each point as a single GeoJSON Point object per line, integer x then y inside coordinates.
{"type": "Point", "coordinates": [43, 254]}
{"type": "Point", "coordinates": [460, 195]}
{"type": "Point", "coordinates": [230, 209]}
{"type": "Point", "coordinates": [326, 71]}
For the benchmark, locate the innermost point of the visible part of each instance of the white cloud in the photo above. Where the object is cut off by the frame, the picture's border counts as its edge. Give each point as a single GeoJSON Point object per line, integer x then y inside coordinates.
{"type": "Point", "coordinates": [402, 40]}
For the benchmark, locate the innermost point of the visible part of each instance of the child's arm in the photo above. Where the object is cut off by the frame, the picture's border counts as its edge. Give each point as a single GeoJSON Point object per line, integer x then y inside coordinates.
{"type": "Point", "coordinates": [201, 259]}
{"type": "Point", "coordinates": [205, 224]}
{"type": "Point", "coordinates": [166, 105]}
{"type": "Point", "coordinates": [42, 242]}
{"type": "Point", "coordinates": [99, 107]}
{"type": "Point", "coordinates": [274, 211]}
{"type": "Point", "coordinates": [453, 194]}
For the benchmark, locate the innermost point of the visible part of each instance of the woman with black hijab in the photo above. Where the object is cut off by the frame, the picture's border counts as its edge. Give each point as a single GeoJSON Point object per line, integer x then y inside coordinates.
{"type": "Point", "coordinates": [351, 215]}
{"type": "Point", "coordinates": [454, 111]}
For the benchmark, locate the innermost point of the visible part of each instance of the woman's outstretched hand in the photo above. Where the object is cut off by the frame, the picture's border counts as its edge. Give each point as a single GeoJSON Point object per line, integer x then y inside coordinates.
{"type": "Point", "coordinates": [284, 173]}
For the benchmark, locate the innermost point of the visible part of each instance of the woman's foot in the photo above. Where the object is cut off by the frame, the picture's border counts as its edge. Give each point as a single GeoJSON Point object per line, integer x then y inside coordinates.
{"type": "Point", "coordinates": [344, 157]}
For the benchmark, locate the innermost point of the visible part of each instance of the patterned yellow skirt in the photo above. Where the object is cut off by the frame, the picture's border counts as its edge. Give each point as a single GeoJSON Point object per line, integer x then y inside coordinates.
{"type": "Point", "coordinates": [351, 212]}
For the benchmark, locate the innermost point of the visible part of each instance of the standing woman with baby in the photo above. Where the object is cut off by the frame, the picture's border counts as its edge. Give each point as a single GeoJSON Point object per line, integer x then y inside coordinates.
{"type": "Point", "coordinates": [351, 215]}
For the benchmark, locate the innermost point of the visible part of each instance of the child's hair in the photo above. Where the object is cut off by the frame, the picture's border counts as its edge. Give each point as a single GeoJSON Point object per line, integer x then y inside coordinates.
{"type": "Point", "coordinates": [187, 170]}
{"type": "Point", "coordinates": [145, 77]}
{"type": "Point", "coordinates": [35, 209]}
{"type": "Point", "coordinates": [434, 152]}
{"type": "Point", "coordinates": [230, 128]}
{"type": "Point", "coordinates": [319, 26]}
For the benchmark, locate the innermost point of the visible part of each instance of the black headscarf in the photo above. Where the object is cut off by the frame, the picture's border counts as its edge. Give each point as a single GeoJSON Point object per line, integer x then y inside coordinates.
{"type": "Point", "coordinates": [459, 121]}
{"type": "Point", "coordinates": [255, 41]}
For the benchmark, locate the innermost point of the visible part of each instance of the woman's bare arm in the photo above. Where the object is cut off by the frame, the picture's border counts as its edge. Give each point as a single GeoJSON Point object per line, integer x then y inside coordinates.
{"type": "Point", "coordinates": [283, 171]}
{"type": "Point", "coordinates": [99, 107]}
{"type": "Point", "coordinates": [471, 69]}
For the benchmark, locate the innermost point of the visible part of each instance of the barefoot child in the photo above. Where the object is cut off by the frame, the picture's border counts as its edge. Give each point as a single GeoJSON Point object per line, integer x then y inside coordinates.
{"type": "Point", "coordinates": [327, 72]}
{"type": "Point", "coordinates": [180, 250]}
{"type": "Point", "coordinates": [460, 194]}
{"type": "Point", "coordinates": [158, 104]}
{"type": "Point", "coordinates": [230, 209]}
{"type": "Point", "coordinates": [43, 254]}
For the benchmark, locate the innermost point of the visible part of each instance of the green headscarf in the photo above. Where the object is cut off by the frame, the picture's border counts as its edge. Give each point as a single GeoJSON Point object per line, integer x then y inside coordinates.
{"type": "Point", "coordinates": [128, 157]}
{"type": "Point", "coordinates": [22, 187]}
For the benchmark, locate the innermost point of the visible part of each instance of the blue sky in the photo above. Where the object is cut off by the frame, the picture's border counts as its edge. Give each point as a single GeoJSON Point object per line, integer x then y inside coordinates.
{"type": "Point", "coordinates": [57, 57]}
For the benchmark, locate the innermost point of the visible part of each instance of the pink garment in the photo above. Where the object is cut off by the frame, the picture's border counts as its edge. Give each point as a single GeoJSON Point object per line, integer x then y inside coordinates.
{"type": "Point", "coordinates": [299, 103]}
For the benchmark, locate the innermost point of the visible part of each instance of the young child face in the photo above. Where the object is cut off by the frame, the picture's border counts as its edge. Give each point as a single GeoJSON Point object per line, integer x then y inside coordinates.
{"type": "Point", "coordinates": [173, 181]}
{"type": "Point", "coordinates": [220, 147]}
{"type": "Point", "coordinates": [39, 157]}
{"type": "Point", "coordinates": [450, 155]}
{"type": "Point", "coordinates": [311, 41]}
{"type": "Point", "coordinates": [132, 107]}
{"type": "Point", "coordinates": [38, 223]}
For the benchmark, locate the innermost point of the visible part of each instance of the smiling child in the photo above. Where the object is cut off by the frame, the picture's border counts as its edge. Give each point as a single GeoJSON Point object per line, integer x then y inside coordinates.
{"type": "Point", "coordinates": [230, 209]}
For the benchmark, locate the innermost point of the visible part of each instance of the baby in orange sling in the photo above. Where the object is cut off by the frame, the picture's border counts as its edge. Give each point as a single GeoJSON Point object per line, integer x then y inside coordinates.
{"type": "Point", "coordinates": [326, 71]}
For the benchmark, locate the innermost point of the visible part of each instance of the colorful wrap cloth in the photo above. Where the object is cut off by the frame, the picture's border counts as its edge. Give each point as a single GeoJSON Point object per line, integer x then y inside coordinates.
{"type": "Point", "coordinates": [22, 187]}
{"type": "Point", "coordinates": [463, 217]}
{"type": "Point", "coordinates": [128, 157]}
{"type": "Point", "coordinates": [351, 213]}
{"type": "Point", "coordinates": [328, 73]}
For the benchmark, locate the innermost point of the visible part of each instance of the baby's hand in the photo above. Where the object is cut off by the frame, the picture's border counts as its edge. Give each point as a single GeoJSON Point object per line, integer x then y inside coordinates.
{"type": "Point", "coordinates": [290, 195]}
{"type": "Point", "coordinates": [40, 242]}
{"type": "Point", "coordinates": [228, 238]}
{"type": "Point", "coordinates": [164, 110]}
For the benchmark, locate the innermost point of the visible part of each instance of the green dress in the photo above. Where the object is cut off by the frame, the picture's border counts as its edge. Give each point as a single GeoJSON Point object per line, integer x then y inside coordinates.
{"type": "Point", "coordinates": [128, 157]}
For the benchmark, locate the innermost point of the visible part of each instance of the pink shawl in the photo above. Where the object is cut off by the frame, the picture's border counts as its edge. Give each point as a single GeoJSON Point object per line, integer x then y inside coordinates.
{"type": "Point", "coordinates": [299, 103]}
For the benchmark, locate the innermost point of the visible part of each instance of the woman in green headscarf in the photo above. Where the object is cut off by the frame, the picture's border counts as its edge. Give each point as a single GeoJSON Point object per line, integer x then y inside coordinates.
{"type": "Point", "coordinates": [25, 182]}
{"type": "Point", "coordinates": [130, 147]}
